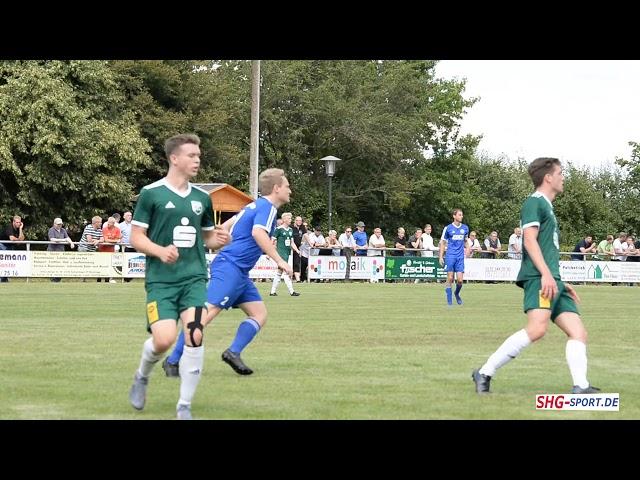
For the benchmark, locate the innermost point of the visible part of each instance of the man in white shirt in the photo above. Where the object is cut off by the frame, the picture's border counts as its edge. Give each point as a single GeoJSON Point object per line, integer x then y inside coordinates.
{"type": "Point", "coordinates": [125, 229]}
{"type": "Point", "coordinates": [346, 239]}
{"type": "Point", "coordinates": [473, 245]}
{"type": "Point", "coordinates": [348, 244]}
{"type": "Point", "coordinates": [427, 242]}
{"type": "Point", "coordinates": [316, 240]}
{"type": "Point", "coordinates": [620, 246]}
{"type": "Point", "coordinates": [515, 244]}
{"type": "Point", "coordinates": [375, 241]}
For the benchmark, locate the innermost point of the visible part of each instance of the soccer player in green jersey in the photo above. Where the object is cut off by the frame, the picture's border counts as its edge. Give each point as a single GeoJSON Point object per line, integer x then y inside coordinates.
{"type": "Point", "coordinates": [545, 295]}
{"type": "Point", "coordinates": [171, 222]}
{"type": "Point", "coordinates": [283, 240]}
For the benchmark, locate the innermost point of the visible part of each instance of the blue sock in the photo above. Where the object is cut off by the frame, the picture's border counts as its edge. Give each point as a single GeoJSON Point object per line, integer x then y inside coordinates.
{"type": "Point", "coordinates": [448, 290]}
{"type": "Point", "coordinates": [246, 331]}
{"type": "Point", "coordinates": [458, 288]}
{"type": "Point", "coordinates": [174, 358]}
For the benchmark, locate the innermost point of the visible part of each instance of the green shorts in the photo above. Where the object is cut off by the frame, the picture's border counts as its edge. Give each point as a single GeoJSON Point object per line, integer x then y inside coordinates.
{"type": "Point", "coordinates": [561, 303]}
{"type": "Point", "coordinates": [167, 301]}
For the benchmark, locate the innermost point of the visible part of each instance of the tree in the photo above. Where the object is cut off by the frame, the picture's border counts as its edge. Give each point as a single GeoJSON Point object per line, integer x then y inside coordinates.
{"type": "Point", "coordinates": [69, 146]}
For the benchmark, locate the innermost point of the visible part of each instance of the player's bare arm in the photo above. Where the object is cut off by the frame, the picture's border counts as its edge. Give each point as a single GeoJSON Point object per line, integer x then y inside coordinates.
{"type": "Point", "coordinates": [441, 253]}
{"type": "Point", "coordinates": [264, 242]}
{"type": "Point", "coordinates": [217, 238]}
{"type": "Point", "coordinates": [143, 244]}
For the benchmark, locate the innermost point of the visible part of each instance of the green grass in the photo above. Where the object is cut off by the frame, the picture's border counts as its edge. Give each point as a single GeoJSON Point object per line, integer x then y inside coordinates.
{"type": "Point", "coordinates": [339, 351]}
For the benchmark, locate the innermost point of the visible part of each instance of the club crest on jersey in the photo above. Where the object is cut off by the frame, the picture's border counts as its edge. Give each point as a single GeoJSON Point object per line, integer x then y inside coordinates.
{"type": "Point", "coordinates": [196, 206]}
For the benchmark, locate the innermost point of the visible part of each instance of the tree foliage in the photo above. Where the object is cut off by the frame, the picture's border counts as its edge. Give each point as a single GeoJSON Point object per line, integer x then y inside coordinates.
{"type": "Point", "coordinates": [69, 145]}
{"type": "Point", "coordinates": [79, 138]}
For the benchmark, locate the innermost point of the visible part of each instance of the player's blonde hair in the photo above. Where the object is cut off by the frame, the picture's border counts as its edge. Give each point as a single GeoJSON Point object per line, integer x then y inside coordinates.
{"type": "Point", "coordinates": [269, 179]}
{"type": "Point", "coordinates": [285, 215]}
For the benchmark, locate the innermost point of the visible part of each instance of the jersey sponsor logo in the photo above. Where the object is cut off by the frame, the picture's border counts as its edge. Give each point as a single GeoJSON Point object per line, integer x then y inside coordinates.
{"type": "Point", "coordinates": [457, 237]}
{"type": "Point", "coordinates": [196, 206]}
{"type": "Point", "coordinates": [184, 236]}
{"type": "Point", "coordinates": [169, 205]}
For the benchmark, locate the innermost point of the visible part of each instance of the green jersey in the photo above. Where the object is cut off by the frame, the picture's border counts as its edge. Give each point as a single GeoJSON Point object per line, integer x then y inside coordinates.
{"type": "Point", "coordinates": [537, 211]}
{"type": "Point", "coordinates": [284, 237]}
{"type": "Point", "coordinates": [178, 218]}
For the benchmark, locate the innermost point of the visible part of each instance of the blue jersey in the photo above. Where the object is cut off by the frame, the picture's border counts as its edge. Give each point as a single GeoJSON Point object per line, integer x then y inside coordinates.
{"type": "Point", "coordinates": [456, 238]}
{"type": "Point", "coordinates": [243, 251]}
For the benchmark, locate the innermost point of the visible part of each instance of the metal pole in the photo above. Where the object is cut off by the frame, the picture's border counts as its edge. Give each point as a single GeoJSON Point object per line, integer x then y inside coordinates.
{"type": "Point", "coordinates": [255, 127]}
{"type": "Point", "coordinates": [330, 209]}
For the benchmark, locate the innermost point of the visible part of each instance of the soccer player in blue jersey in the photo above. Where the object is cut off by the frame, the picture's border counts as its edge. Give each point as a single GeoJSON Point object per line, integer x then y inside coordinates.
{"type": "Point", "coordinates": [230, 286]}
{"type": "Point", "coordinates": [454, 236]}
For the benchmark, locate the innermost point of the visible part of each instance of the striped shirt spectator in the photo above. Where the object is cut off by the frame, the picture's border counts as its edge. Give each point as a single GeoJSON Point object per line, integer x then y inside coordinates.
{"type": "Point", "coordinates": [92, 234]}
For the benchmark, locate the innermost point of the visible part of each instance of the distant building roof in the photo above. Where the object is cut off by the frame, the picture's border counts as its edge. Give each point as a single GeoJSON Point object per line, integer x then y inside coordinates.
{"type": "Point", "coordinates": [224, 197]}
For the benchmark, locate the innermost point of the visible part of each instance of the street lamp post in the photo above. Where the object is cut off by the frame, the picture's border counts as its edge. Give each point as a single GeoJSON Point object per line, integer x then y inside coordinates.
{"type": "Point", "coordinates": [330, 165]}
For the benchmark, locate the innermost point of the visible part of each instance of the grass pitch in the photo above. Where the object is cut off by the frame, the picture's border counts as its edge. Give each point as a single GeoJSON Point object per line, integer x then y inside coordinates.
{"type": "Point", "coordinates": [339, 351]}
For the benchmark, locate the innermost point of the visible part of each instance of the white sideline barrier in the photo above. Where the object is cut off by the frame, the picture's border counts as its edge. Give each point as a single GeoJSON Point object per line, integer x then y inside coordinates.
{"type": "Point", "coordinates": [24, 263]}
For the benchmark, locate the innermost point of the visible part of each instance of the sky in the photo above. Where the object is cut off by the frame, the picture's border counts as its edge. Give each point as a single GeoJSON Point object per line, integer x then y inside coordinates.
{"type": "Point", "coordinates": [583, 111]}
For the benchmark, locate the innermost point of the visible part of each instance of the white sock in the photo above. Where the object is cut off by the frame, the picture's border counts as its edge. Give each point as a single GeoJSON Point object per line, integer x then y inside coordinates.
{"type": "Point", "coordinates": [576, 352]}
{"type": "Point", "coordinates": [509, 350]}
{"type": "Point", "coordinates": [276, 282]}
{"type": "Point", "coordinates": [149, 358]}
{"type": "Point", "coordinates": [191, 364]}
{"type": "Point", "coordinates": [287, 282]}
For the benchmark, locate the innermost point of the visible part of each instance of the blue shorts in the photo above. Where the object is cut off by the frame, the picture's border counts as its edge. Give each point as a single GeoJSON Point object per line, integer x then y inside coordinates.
{"type": "Point", "coordinates": [454, 265]}
{"type": "Point", "coordinates": [229, 286]}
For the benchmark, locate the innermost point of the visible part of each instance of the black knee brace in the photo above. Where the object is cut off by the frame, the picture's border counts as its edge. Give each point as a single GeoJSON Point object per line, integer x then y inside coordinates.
{"type": "Point", "coordinates": [196, 325]}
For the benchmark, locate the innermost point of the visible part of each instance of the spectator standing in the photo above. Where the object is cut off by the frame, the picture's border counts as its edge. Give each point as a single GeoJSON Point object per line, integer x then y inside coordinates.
{"type": "Point", "coordinates": [361, 239]}
{"type": "Point", "coordinates": [473, 245]}
{"type": "Point", "coordinates": [125, 230]}
{"type": "Point", "coordinates": [605, 248]}
{"type": "Point", "coordinates": [631, 251]}
{"type": "Point", "coordinates": [427, 242]}
{"type": "Point", "coordinates": [400, 243]}
{"type": "Point", "coordinates": [415, 241]}
{"type": "Point", "coordinates": [116, 217]}
{"type": "Point", "coordinates": [619, 247]}
{"type": "Point", "coordinates": [332, 241]}
{"type": "Point", "coordinates": [91, 236]}
{"type": "Point", "coordinates": [12, 232]}
{"type": "Point", "coordinates": [298, 231]}
{"type": "Point", "coordinates": [376, 241]}
{"type": "Point", "coordinates": [348, 244]}
{"type": "Point", "coordinates": [305, 251]}
{"type": "Point", "coordinates": [110, 236]}
{"type": "Point", "coordinates": [316, 240]}
{"type": "Point", "coordinates": [515, 244]}
{"type": "Point", "coordinates": [584, 246]}
{"type": "Point", "coordinates": [59, 236]}
{"type": "Point", "coordinates": [492, 246]}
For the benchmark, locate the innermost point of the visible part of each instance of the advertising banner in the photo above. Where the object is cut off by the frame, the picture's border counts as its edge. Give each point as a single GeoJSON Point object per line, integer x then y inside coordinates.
{"type": "Point", "coordinates": [76, 264]}
{"type": "Point", "coordinates": [330, 266]}
{"type": "Point", "coordinates": [413, 267]}
{"type": "Point", "coordinates": [15, 263]}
